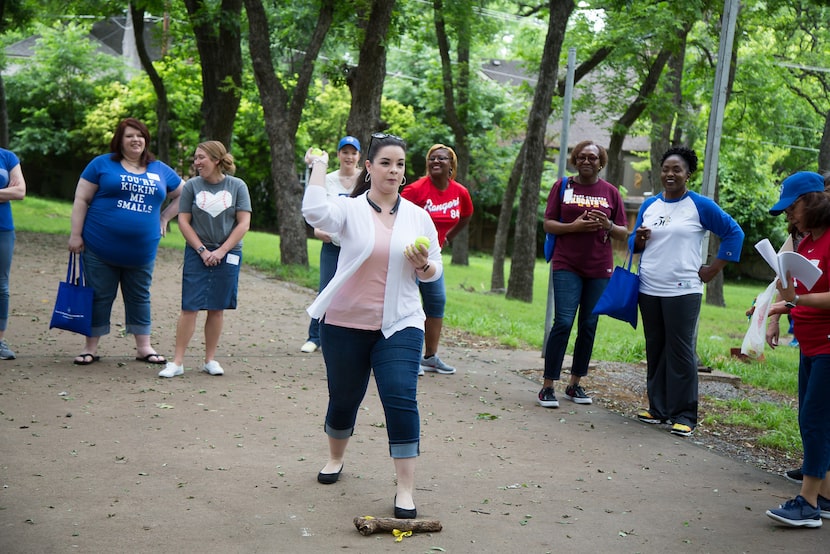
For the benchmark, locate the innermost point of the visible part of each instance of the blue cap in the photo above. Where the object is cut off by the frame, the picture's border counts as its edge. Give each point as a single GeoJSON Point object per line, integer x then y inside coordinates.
{"type": "Point", "coordinates": [348, 140]}
{"type": "Point", "coordinates": [794, 186]}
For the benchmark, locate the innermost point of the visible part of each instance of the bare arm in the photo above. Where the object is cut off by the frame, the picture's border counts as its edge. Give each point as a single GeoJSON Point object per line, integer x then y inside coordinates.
{"type": "Point", "coordinates": [16, 190]}
{"type": "Point", "coordinates": [463, 222]}
{"type": "Point", "coordinates": [172, 208]}
{"type": "Point", "coordinates": [84, 193]}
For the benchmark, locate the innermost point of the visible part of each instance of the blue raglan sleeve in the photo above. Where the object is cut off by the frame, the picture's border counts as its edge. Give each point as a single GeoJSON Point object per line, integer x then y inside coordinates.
{"type": "Point", "coordinates": [714, 219]}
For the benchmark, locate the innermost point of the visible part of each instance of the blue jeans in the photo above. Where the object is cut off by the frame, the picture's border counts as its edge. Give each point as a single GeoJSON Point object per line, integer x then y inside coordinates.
{"type": "Point", "coordinates": [329, 253]}
{"type": "Point", "coordinates": [350, 356]}
{"type": "Point", "coordinates": [571, 292]}
{"type": "Point", "coordinates": [433, 297]}
{"type": "Point", "coordinates": [135, 281]}
{"type": "Point", "coordinates": [814, 413]}
{"type": "Point", "coordinates": [6, 250]}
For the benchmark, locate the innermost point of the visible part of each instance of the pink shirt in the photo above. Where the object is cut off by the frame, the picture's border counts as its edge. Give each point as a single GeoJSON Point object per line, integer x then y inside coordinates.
{"type": "Point", "coordinates": [359, 304]}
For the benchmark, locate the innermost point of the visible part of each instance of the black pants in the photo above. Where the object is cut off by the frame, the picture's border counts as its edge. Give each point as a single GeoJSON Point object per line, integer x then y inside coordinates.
{"type": "Point", "coordinates": [669, 325]}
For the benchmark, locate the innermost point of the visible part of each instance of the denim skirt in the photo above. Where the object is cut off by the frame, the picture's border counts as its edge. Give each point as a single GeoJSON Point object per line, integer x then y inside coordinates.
{"type": "Point", "coordinates": [209, 288]}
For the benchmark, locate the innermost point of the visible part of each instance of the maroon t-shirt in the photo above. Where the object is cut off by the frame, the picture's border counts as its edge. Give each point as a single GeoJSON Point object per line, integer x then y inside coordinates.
{"type": "Point", "coordinates": [587, 254]}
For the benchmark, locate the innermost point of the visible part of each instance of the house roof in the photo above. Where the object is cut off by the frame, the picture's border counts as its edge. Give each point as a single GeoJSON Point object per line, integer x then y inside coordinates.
{"type": "Point", "coordinates": [511, 73]}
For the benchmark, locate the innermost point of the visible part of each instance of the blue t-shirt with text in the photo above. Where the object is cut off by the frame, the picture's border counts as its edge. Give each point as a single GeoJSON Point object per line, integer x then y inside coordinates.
{"type": "Point", "coordinates": [123, 223]}
{"type": "Point", "coordinates": [8, 161]}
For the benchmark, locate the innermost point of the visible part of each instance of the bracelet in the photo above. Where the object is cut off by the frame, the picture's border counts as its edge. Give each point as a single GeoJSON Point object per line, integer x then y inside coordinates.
{"type": "Point", "coordinates": [319, 161]}
{"type": "Point", "coordinates": [425, 268]}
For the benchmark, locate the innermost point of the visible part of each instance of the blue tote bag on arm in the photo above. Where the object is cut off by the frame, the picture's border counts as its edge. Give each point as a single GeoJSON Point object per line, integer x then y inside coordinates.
{"type": "Point", "coordinates": [73, 307]}
{"type": "Point", "coordinates": [619, 300]}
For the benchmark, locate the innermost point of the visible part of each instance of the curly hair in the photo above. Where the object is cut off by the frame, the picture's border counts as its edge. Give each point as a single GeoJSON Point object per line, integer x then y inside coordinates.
{"type": "Point", "coordinates": [686, 154]}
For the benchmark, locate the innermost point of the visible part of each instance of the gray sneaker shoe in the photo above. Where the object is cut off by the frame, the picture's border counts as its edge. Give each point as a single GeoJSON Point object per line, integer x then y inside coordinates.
{"type": "Point", "coordinates": [435, 365]}
{"type": "Point", "coordinates": [7, 354]}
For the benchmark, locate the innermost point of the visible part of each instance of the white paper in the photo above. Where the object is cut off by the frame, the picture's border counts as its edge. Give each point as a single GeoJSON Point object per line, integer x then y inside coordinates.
{"type": "Point", "coordinates": [232, 259]}
{"type": "Point", "coordinates": [800, 268]}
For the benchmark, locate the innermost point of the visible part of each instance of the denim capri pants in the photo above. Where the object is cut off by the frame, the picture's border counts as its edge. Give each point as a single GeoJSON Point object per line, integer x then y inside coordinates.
{"type": "Point", "coordinates": [433, 297]}
{"type": "Point", "coordinates": [351, 355]}
{"type": "Point", "coordinates": [209, 288]}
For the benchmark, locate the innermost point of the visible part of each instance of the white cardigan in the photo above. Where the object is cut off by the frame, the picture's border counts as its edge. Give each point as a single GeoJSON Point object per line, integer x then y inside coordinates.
{"type": "Point", "coordinates": [352, 218]}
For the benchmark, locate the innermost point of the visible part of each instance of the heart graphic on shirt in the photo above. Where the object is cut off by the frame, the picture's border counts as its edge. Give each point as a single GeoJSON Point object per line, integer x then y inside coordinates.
{"type": "Point", "coordinates": [214, 204]}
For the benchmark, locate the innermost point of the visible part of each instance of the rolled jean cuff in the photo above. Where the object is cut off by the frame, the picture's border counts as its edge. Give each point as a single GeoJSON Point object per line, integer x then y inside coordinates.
{"type": "Point", "coordinates": [138, 329]}
{"type": "Point", "coordinates": [100, 330]}
{"type": "Point", "coordinates": [406, 450]}
{"type": "Point", "coordinates": [338, 433]}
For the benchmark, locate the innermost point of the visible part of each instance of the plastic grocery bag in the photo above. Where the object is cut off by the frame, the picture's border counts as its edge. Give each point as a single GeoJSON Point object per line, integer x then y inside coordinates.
{"type": "Point", "coordinates": [756, 335]}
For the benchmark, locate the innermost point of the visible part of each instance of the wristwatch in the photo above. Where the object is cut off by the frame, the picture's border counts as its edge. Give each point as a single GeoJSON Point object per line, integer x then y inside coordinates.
{"type": "Point", "coordinates": [794, 302]}
{"type": "Point", "coordinates": [201, 249]}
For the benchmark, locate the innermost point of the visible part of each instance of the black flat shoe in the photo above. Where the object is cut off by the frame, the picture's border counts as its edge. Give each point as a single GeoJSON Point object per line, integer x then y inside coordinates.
{"type": "Point", "coordinates": [404, 513]}
{"type": "Point", "coordinates": [329, 478]}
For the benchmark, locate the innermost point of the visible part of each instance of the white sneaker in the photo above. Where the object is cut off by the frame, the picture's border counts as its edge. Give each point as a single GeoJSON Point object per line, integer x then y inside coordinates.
{"type": "Point", "coordinates": [308, 347]}
{"type": "Point", "coordinates": [420, 371]}
{"type": "Point", "coordinates": [435, 365]}
{"type": "Point", "coordinates": [213, 368]}
{"type": "Point", "coordinates": [171, 370]}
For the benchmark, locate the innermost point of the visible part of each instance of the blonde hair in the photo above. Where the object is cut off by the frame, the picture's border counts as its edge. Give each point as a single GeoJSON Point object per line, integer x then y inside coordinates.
{"type": "Point", "coordinates": [217, 152]}
{"type": "Point", "coordinates": [453, 157]}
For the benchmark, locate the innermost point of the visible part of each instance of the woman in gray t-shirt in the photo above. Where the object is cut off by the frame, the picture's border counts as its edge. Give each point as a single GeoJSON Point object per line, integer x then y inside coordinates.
{"type": "Point", "coordinates": [214, 215]}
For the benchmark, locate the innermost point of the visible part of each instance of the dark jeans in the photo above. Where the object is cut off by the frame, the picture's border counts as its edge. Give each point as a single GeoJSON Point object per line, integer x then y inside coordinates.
{"type": "Point", "coordinates": [6, 250]}
{"type": "Point", "coordinates": [571, 292]}
{"type": "Point", "coordinates": [351, 355]}
{"type": "Point", "coordinates": [671, 379]}
{"type": "Point", "coordinates": [329, 253]}
{"type": "Point", "coordinates": [814, 413]}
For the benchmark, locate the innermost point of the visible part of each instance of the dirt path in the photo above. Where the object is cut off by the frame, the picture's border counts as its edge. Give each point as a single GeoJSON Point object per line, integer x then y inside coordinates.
{"type": "Point", "coordinates": [109, 458]}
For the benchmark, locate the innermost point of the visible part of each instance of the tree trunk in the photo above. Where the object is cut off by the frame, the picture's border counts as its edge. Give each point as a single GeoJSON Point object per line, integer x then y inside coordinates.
{"type": "Point", "coordinates": [503, 225]}
{"type": "Point", "coordinates": [520, 285]}
{"type": "Point", "coordinates": [824, 147]}
{"type": "Point", "coordinates": [282, 113]}
{"type": "Point", "coordinates": [218, 40]}
{"type": "Point", "coordinates": [366, 80]}
{"type": "Point", "coordinates": [164, 133]}
{"type": "Point", "coordinates": [461, 241]}
{"type": "Point", "coordinates": [663, 121]}
{"type": "Point", "coordinates": [616, 164]}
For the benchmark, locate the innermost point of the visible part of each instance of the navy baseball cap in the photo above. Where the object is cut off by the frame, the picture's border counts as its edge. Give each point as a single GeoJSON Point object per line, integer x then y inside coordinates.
{"type": "Point", "coordinates": [794, 186]}
{"type": "Point", "coordinates": [348, 140]}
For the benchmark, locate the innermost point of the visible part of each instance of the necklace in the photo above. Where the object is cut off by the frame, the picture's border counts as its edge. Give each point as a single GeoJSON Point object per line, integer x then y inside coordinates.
{"type": "Point", "coordinates": [378, 209]}
{"type": "Point", "coordinates": [131, 164]}
{"type": "Point", "coordinates": [665, 219]}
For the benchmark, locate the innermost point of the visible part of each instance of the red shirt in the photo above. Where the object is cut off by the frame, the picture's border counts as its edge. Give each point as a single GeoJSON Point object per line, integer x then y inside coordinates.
{"type": "Point", "coordinates": [811, 326]}
{"type": "Point", "coordinates": [587, 254]}
{"type": "Point", "coordinates": [445, 207]}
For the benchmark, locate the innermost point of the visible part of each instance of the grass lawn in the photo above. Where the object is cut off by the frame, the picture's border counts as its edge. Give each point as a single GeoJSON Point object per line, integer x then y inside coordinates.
{"type": "Point", "coordinates": [471, 307]}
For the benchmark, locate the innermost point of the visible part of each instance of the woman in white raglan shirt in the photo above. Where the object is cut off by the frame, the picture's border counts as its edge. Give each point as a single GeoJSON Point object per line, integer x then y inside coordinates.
{"type": "Point", "coordinates": [669, 233]}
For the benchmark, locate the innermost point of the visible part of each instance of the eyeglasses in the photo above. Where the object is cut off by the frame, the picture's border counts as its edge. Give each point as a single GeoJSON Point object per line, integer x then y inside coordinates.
{"type": "Point", "coordinates": [591, 159]}
{"type": "Point", "coordinates": [438, 159]}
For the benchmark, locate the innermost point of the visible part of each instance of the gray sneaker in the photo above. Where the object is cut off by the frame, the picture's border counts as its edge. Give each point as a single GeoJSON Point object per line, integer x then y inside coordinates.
{"type": "Point", "coordinates": [7, 354]}
{"type": "Point", "coordinates": [435, 365]}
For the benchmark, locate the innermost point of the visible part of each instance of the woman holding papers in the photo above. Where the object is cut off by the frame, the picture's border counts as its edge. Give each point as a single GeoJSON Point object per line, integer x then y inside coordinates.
{"type": "Point", "coordinates": [669, 232]}
{"type": "Point", "coordinates": [807, 206]}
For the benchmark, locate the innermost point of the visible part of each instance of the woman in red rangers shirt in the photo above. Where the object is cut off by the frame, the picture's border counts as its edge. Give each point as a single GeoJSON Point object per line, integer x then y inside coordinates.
{"type": "Point", "coordinates": [449, 205]}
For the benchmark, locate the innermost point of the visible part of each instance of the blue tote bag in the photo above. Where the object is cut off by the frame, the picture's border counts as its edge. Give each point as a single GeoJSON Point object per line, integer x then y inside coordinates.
{"type": "Point", "coordinates": [619, 300]}
{"type": "Point", "coordinates": [73, 307]}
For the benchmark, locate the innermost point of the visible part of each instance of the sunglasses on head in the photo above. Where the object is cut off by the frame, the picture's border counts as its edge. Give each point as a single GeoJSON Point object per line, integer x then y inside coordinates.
{"type": "Point", "coordinates": [381, 136]}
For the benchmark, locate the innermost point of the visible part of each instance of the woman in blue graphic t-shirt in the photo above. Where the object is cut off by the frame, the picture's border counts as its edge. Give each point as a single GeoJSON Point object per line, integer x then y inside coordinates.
{"type": "Point", "coordinates": [117, 222]}
{"type": "Point", "coordinates": [12, 187]}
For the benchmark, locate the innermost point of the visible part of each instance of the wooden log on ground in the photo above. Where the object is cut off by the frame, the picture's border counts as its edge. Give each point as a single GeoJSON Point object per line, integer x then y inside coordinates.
{"type": "Point", "coordinates": [368, 525]}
